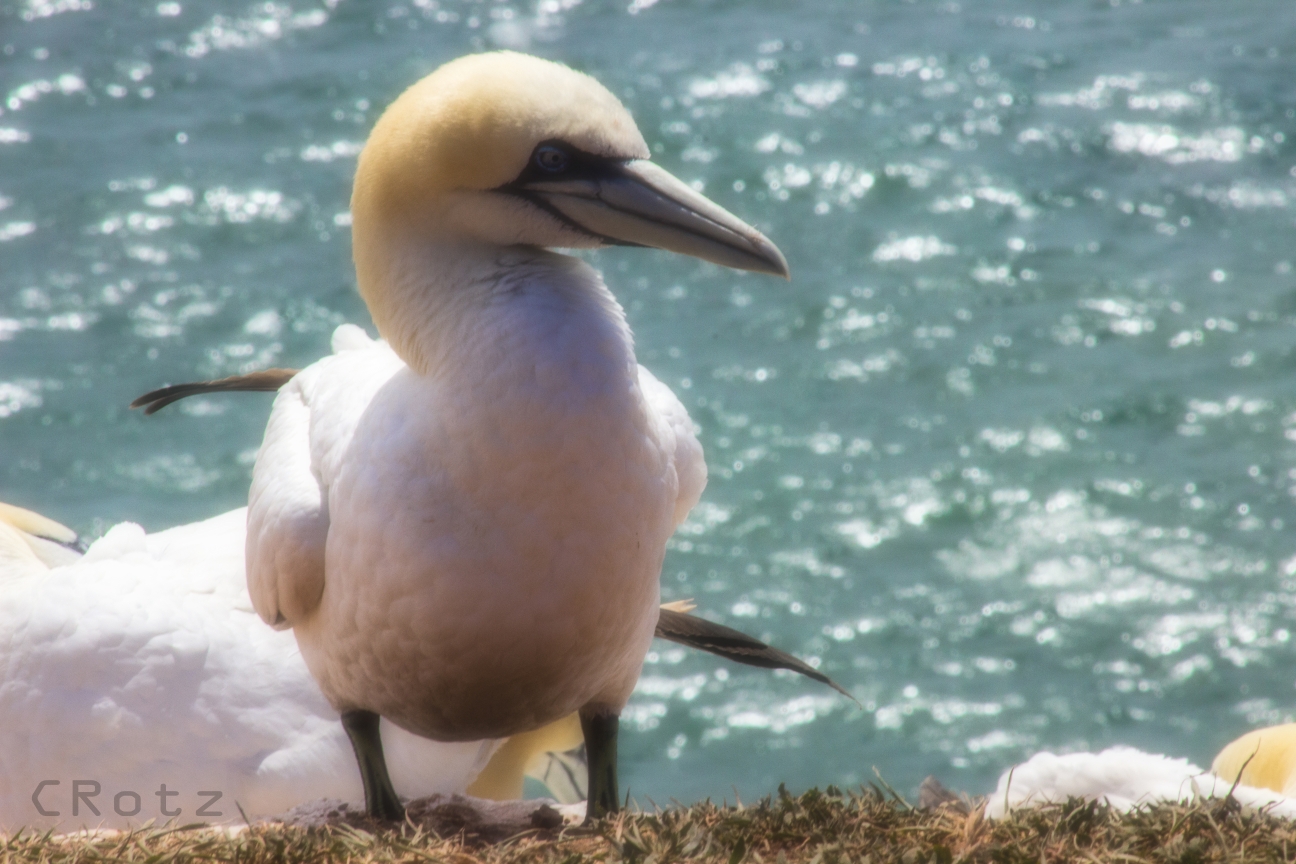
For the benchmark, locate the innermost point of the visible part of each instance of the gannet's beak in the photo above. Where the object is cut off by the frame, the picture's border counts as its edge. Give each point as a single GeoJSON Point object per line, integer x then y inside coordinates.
{"type": "Point", "coordinates": [636, 203]}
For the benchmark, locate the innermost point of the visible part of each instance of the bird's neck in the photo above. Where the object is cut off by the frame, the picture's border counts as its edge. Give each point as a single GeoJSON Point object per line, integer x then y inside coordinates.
{"type": "Point", "coordinates": [450, 306]}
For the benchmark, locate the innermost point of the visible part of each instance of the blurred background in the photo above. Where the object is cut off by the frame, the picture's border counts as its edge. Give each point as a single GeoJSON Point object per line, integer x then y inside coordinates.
{"type": "Point", "coordinates": [1012, 457]}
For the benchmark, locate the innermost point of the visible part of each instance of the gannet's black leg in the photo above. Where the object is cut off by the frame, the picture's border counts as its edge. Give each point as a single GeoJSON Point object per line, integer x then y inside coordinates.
{"type": "Point", "coordinates": [380, 797]}
{"type": "Point", "coordinates": [599, 726]}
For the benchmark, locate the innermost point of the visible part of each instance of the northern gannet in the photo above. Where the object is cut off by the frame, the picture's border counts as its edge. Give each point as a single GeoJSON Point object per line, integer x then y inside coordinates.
{"type": "Point", "coordinates": [465, 530]}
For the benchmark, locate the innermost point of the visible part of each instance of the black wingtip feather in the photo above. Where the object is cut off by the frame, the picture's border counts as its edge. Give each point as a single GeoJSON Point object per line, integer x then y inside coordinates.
{"type": "Point", "coordinates": [265, 381]}
{"type": "Point", "coordinates": [735, 645]}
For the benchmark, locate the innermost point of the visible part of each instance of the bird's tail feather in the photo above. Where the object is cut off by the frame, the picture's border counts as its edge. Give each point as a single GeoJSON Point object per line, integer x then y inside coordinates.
{"type": "Point", "coordinates": [264, 381]}
{"type": "Point", "coordinates": [734, 645]}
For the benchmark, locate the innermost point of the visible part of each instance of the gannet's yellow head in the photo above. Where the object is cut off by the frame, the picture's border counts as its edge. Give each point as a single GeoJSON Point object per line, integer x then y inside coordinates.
{"type": "Point", "coordinates": [473, 124]}
{"type": "Point", "coordinates": [1263, 758]}
{"type": "Point", "coordinates": [507, 149]}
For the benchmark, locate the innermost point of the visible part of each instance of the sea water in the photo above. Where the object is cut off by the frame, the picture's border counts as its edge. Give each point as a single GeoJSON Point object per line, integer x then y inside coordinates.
{"type": "Point", "coordinates": [1012, 457]}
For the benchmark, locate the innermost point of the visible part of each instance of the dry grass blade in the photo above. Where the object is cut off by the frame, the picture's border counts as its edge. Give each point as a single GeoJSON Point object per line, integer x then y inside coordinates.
{"type": "Point", "coordinates": [818, 827]}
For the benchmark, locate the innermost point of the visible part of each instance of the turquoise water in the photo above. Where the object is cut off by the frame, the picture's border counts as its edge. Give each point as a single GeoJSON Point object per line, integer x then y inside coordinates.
{"type": "Point", "coordinates": [1012, 456]}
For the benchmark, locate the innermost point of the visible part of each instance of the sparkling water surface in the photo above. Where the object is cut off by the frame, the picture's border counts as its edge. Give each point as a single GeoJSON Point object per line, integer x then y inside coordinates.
{"type": "Point", "coordinates": [1012, 457]}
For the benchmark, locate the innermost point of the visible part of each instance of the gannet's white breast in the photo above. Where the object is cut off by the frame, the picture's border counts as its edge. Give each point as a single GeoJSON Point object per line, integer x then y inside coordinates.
{"type": "Point", "coordinates": [144, 664]}
{"type": "Point", "coordinates": [494, 531]}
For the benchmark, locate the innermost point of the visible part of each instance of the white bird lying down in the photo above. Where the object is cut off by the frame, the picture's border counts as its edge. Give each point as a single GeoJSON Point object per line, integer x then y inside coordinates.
{"type": "Point", "coordinates": [466, 531]}
{"type": "Point", "coordinates": [1125, 778]}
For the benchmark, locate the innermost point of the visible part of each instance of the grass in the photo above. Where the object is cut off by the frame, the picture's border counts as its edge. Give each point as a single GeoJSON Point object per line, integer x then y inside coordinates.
{"type": "Point", "coordinates": [815, 828]}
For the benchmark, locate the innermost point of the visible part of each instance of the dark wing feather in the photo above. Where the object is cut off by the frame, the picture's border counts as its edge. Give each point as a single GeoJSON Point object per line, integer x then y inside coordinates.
{"type": "Point", "coordinates": [734, 645]}
{"type": "Point", "coordinates": [265, 381]}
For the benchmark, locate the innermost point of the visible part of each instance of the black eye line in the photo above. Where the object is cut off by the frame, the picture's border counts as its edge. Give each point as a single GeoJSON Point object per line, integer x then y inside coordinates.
{"type": "Point", "coordinates": [580, 166]}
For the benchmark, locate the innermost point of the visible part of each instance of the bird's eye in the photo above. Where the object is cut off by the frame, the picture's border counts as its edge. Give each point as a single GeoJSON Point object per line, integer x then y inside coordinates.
{"type": "Point", "coordinates": [551, 159]}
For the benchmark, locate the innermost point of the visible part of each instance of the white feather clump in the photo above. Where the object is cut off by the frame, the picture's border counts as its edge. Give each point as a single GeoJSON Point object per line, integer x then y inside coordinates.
{"type": "Point", "coordinates": [143, 665]}
{"type": "Point", "coordinates": [1123, 777]}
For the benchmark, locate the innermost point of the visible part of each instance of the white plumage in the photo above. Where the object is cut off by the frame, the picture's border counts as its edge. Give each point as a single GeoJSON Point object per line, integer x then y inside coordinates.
{"type": "Point", "coordinates": [1122, 776]}
{"type": "Point", "coordinates": [144, 664]}
{"type": "Point", "coordinates": [481, 527]}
